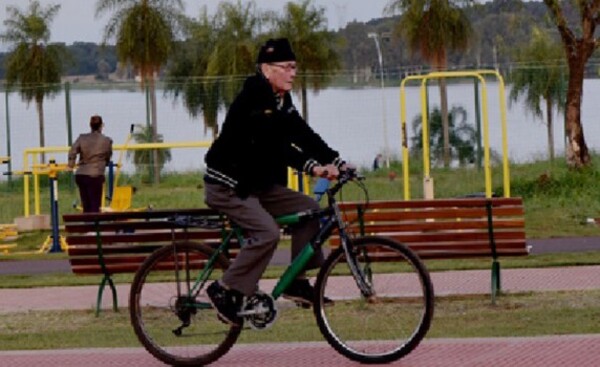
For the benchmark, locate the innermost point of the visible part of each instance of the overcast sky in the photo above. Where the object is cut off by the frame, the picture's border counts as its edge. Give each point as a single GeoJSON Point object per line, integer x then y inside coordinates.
{"type": "Point", "coordinates": [76, 21]}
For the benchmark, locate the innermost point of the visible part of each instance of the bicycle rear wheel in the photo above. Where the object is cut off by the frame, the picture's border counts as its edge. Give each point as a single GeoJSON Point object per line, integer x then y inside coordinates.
{"type": "Point", "coordinates": [391, 322]}
{"type": "Point", "coordinates": [173, 326]}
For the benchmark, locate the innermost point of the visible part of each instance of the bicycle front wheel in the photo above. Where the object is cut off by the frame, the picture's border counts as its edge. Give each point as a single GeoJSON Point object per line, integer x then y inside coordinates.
{"type": "Point", "coordinates": [176, 326]}
{"type": "Point", "coordinates": [394, 315]}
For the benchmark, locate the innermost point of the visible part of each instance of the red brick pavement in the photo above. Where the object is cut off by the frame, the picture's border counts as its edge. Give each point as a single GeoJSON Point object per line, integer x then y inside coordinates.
{"type": "Point", "coordinates": [580, 350]}
{"type": "Point", "coordinates": [551, 351]}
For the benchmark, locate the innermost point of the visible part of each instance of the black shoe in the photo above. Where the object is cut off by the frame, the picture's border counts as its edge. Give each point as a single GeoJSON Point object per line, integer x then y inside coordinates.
{"type": "Point", "coordinates": [301, 292]}
{"type": "Point", "coordinates": [227, 302]}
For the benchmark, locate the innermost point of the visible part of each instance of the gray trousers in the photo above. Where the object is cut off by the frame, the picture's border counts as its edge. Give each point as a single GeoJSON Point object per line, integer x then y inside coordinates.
{"type": "Point", "coordinates": [255, 215]}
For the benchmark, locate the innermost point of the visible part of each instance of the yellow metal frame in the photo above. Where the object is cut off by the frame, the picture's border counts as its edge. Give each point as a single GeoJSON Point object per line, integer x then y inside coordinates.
{"type": "Point", "coordinates": [30, 159]}
{"type": "Point", "coordinates": [478, 74]}
{"type": "Point", "coordinates": [47, 245]}
{"type": "Point", "coordinates": [293, 181]}
{"type": "Point", "coordinates": [121, 199]}
{"type": "Point", "coordinates": [8, 232]}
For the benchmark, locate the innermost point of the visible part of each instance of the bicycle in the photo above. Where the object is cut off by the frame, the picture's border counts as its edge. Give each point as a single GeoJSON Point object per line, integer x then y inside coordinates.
{"type": "Point", "coordinates": [383, 294]}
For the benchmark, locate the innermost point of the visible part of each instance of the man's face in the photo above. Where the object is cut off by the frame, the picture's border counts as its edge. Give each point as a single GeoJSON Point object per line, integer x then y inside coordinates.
{"type": "Point", "coordinates": [281, 75]}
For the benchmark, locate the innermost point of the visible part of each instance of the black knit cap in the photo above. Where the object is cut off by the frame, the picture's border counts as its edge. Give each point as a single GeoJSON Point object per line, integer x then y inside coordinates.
{"type": "Point", "coordinates": [275, 50]}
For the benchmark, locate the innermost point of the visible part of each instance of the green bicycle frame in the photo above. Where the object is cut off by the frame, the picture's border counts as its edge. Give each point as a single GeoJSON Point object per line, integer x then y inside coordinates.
{"type": "Point", "coordinates": [292, 271]}
{"type": "Point", "coordinates": [299, 263]}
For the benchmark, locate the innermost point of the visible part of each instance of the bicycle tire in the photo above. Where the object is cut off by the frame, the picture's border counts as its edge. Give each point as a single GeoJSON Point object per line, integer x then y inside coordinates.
{"type": "Point", "coordinates": [378, 329]}
{"type": "Point", "coordinates": [156, 311]}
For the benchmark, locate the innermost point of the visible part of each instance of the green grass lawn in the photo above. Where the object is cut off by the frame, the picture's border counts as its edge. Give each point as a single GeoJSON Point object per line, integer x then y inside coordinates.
{"type": "Point", "coordinates": [527, 314]}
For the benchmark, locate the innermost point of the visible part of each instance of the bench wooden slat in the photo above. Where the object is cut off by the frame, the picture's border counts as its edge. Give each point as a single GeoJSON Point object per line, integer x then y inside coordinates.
{"type": "Point", "coordinates": [114, 265]}
{"type": "Point", "coordinates": [437, 225]}
{"type": "Point", "coordinates": [143, 237]}
{"type": "Point", "coordinates": [75, 251]}
{"type": "Point", "coordinates": [129, 215]}
{"type": "Point", "coordinates": [436, 203]}
{"type": "Point", "coordinates": [432, 213]}
{"type": "Point", "coordinates": [438, 255]}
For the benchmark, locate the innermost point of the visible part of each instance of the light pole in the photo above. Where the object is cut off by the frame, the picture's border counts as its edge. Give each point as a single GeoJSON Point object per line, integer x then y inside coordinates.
{"type": "Point", "coordinates": [386, 154]}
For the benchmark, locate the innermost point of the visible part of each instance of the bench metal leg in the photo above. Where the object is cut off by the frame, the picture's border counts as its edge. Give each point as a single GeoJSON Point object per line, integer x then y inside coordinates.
{"type": "Point", "coordinates": [496, 282]}
{"type": "Point", "coordinates": [106, 279]}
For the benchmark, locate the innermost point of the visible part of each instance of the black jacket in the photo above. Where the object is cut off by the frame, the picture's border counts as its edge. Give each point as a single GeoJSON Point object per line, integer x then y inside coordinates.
{"type": "Point", "coordinates": [260, 138]}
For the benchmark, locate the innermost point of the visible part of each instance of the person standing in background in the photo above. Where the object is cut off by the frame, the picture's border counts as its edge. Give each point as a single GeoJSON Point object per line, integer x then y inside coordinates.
{"type": "Point", "coordinates": [377, 162]}
{"type": "Point", "coordinates": [94, 150]}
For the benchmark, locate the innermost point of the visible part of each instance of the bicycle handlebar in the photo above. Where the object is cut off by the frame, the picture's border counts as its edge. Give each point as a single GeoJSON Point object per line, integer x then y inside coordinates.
{"type": "Point", "coordinates": [347, 175]}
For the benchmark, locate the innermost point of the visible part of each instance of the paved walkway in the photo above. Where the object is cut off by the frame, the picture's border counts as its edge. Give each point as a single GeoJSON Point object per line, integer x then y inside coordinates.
{"type": "Point", "coordinates": [580, 350]}
{"type": "Point", "coordinates": [445, 283]}
{"type": "Point", "coordinates": [554, 351]}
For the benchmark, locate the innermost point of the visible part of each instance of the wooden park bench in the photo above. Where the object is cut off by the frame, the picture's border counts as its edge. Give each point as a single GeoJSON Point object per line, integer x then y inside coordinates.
{"type": "Point", "coordinates": [118, 242]}
{"type": "Point", "coordinates": [447, 228]}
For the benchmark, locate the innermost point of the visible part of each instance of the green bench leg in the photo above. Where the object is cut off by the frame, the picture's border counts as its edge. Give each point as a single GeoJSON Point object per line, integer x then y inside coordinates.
{"type": "Point", "coordinates": [496, 283]}
{"type": "Point", "coordinates": [106, 279]}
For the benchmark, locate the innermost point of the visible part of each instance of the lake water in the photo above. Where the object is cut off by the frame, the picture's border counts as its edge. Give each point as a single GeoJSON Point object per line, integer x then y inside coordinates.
{"type": "Point", "coordinates": [350, 120]}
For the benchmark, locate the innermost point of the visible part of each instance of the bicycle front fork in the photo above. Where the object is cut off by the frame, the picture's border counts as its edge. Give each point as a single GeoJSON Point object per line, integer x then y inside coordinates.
{"type": "Point", "coordinates": [362, 276]}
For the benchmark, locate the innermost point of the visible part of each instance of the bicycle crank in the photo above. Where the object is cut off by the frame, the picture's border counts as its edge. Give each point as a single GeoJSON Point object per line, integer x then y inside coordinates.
{"type": "Point", "coordinates": [259, 310]}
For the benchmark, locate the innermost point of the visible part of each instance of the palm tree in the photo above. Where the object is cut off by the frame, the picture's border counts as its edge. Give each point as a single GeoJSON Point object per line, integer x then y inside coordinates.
{"type": "Point", "coordinates": [542, 78]}
{"type": "Point", "coordinates": [145, 33]}
{"type": "Point", "coordinates": [142, 159]}
{"type": "Point", "coordinates": [305, 26]}
{"type": "Point", "coordinates": [462, 136]}
{"type": "Point", "coordinates": [433, 28]}
{"type": "Point", "coordinates": [186, 74]}
{"type": "Point", "coordinates": [236, 28]}
{"type": "Point", "coordinates": [215, 59]}
{"type": "Point", "coordinates": [579, 41]}
{"type": "Point", "coordinates": [32, 64]}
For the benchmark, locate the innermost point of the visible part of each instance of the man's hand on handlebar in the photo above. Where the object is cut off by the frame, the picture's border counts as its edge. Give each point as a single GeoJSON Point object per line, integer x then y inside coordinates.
{"type": "Point", "coordinates": [329, 171]}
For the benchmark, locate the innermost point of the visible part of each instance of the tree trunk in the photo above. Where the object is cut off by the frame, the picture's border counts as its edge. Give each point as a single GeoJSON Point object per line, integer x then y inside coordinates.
{"type": "Point", "coordinates": [445, 123]}
{"type": "Point", "coordinates": [155, 155]}
{"type": "Point", "coordinates": [39, 104]}
{"type": "Point", "coordinates": [550, 128]}
{"type": "Point", "coordinates": [577, 52]}
{"type": "Point", "coordinates": [578, 155]}
{"type": "Point", "coordinates": [304, 102]}
{"type": "Point", "coordinates": [209, 125]}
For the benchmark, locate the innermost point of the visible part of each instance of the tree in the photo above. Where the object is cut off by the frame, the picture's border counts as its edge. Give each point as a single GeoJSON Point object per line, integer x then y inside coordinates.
{"type": "Point", "coordinates": [143, 158]}
{"type": "Point", "coordinates": [237, 29]}
{"type": "Point", "coordinates": [540, 77]}
{"type": "Point", "coordinates": [186, 74]}
{"type": "Point", "coordinates": [579, 42]}
{"type": "Point", "coordinates": [462, 136]}
{"type": "Point", "coordinates": [306, 28]}
{"type": "Point", "coordinates": [433, 28]}
{"type": "Point", "coordinates": [145, 33]}
{"type": "Point", "coordinates": [218, 54]}
{"type": "Point", "coordinates": [33, 64]}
